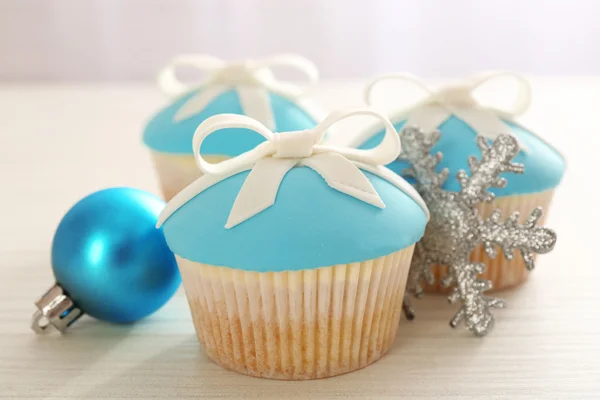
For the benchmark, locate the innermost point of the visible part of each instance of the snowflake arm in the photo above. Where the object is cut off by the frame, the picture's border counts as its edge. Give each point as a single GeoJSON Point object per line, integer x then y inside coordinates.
{"type": "Point", "coordinates": [407, 309]}
{"type": "Point", "coordinates": [495, 159]}
{"type": "Point", "coordinates": [416, 149]}
{"type": "Point", "coordinates": [420, 269]}
{"type": "Point", "coordinates": [475, 308]}
{"type": "Point", "coordinates": [510, 236]}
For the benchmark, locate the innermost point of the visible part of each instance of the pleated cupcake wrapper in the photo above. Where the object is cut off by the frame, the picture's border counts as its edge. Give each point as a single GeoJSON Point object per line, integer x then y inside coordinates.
{"type": "Point", "coordinates": [299, 324]}
{"type": "Point", "coordinates": [503, 273]}
{"type": "Point", "coordinates": [176, 171]}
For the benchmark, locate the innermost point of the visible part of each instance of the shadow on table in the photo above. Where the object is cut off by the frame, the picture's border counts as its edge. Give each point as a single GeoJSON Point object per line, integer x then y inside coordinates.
{"type": "Point", "coordinates": [74, 352]}
{"type": "Point", "coordinates": [105, 360]}
{"type": "Point", "coordinates": [182, 370]}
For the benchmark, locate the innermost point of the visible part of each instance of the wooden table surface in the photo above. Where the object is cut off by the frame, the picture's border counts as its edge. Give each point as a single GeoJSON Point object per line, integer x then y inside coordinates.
{"type": "Point", "coordinates": [59, 143]}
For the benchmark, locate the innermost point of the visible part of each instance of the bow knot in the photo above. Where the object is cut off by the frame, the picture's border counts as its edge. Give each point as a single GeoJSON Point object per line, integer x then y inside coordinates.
{"type": "Point", "coordinates": [455, 95]}
{"type": "Point", "coordinates": [486, 120]}
{"type": "Point", "coordinates": [237, 73]}
{"type": "Point", "coordinates": [251, 79]}
{"type": "Point", "coordinates": [269, 162]}
{"type": "Point", "coordinates": [296, 144]}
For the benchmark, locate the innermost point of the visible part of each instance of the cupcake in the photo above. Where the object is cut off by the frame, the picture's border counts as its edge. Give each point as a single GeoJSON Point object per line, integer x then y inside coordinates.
{"type": "Point", "coordinates": [247, 88]}
{"type": "Point", "coordinates": [294, 255]}
{"type": "Point", "coordinates": [455, 112]}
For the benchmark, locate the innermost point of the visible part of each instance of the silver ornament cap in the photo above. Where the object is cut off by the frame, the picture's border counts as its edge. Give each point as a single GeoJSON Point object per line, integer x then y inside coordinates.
{"type": "Point", "coordinates": [54, 309]}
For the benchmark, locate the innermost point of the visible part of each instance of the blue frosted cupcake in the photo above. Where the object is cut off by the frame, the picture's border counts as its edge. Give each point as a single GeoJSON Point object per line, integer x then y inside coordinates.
{"type": "Point", "coordinates": [455, 112]}
{"type": "Point", "coordinates": [245, 88]}
{"type": "Point", "coordinates": [295, 254]}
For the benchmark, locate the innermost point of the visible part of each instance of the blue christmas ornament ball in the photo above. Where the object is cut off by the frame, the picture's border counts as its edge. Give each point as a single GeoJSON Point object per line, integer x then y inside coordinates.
{"type": "Point", "coordinates": [111, 260]}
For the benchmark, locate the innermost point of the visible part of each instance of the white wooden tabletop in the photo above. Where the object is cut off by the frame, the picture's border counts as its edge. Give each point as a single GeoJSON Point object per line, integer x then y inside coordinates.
{"type": "Point", "coordinates": [60, 143]}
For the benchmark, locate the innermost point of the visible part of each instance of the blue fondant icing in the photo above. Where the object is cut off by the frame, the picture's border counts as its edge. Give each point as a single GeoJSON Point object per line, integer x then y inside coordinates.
{"type": "Point", "coordinates": [310, 225]}
{"type": "Point", "coordinates": [164, 134]}
{"type": "Point", "coordinates": [544, 166]}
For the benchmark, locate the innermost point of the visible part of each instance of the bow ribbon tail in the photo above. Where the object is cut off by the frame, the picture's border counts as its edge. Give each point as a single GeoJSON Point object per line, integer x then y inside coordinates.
{"type": "Point", "coordinates": [199, 101]}
{"type": "Point", "coordinates": [256, 104]}
{"type": "Point", "coordinates": [428, 118]}
{"type": "Point", "coordinates": [343, 176]}
{"type": "Point", "coordinates": [485, 123]}
{"type": "Point", "coordinates": [259, 189]}
{"type": "Point", "coordinates": [254, 101]}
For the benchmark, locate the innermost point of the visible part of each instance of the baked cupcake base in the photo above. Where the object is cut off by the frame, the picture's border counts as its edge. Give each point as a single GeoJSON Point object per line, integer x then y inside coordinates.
{"type": "Point", "coordinates": [176, 171]}
{"type": "Point", "coordinates": [503, 273]}
{"type": "Point", "coordinates": [300, 324]}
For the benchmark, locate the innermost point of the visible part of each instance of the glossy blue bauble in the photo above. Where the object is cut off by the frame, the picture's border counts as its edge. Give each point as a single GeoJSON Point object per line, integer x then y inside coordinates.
{"type": "Point", "coordinates": [111, 260]}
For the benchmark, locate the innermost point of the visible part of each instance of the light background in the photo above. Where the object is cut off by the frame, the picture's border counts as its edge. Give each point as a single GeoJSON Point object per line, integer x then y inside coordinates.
{"type": "Point", "coordinates": [60, 142]}
{"type": "Point", "coordinates": [125, 40]}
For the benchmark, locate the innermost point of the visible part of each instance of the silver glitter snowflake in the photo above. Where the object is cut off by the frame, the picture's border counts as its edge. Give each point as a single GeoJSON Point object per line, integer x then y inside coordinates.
{"type": "Point", "coordinates": [455, 228]}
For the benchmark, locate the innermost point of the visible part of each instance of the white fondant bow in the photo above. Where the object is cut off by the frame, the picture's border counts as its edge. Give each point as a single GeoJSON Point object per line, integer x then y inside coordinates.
{"type": "Point", "coordinates": [270, 161]}
{"type": "Point", "coordinates": [440, 104]}
{"type": "Point", "coordinates": [252, 79]}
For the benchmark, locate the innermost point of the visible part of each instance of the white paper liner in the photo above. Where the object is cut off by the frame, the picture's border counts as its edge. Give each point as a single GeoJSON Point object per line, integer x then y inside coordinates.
{"type": "Point", "coordinates": [503, 273]}
{"type": "Point", "coordinates": [300, 324]}
{"type": "Point", "coordinates": [176, 171]}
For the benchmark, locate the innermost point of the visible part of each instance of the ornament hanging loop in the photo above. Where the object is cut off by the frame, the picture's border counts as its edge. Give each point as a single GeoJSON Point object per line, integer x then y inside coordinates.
{"type": "Point", "coordinates": [55, 309]}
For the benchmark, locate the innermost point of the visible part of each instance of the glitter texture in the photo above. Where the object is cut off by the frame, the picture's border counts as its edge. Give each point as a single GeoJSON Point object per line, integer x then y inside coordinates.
{"type": "Point", "coordinates": [455, 228]}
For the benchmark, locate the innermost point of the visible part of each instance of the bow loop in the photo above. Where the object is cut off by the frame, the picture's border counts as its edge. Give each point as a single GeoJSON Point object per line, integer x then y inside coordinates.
{"type": "Point", "coordinates": [252, 79]}
{"type": "Point", "coordinates": [292, 61]}
{"type": "Point", "coordinates": [270, 161]}
{"type": "Point", "coordinates": [460, 100]}
{"type": "Point", "coordinates": [224, 121]}
{"type": "Point", "coordinates": [247, 72]}
{"type": "Point", "coordinates": [168, 82]}
{"type": "Point", "coordinates": [383, 154]}
{"type": "Point", "coordinates": [522, 96]}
